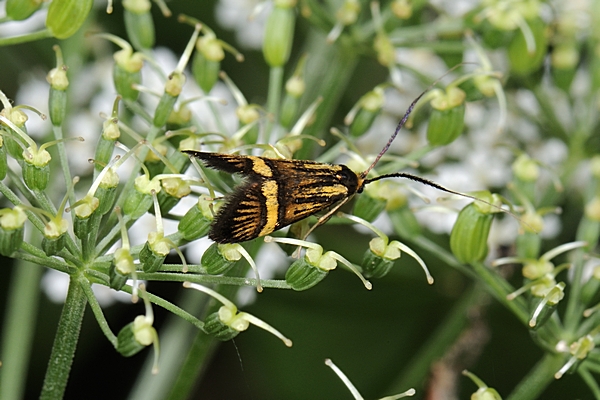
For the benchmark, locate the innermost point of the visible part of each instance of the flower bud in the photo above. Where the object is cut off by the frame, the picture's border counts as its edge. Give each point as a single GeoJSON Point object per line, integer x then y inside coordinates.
{"type": "Point", "coordinates": [219, 258]}
{"type": "Point", "coordinates": [523, 60]}
{"type": "Point", "coordinates": [127, 73]}
{"type": "Point", "coordinates": [526, 169]}
{"type": "Point", "coordinates": [206, 64]}
{"type": "Point", "coordinates": [564, 60]}
{"type": "Point", "coordinates": [135, 336]}
{"type": "Point", "coordinates": [57, 101]}
{"type": "Point", "coordinates": [279, 33]}
{"type": "Point", "coordinates": [447, 117]}
{"type": "Point", "coordinates": [12, 222]}
{"type": "Point", "coordinates": [468, 239]}
{"type": "Point", "coordinates": [402, 9]}
{"type": "Point", "coordinates": [140, 199]}
{"type": "Point", "coordinates": [18, 10]}
{"type": "Point", "coordinates": [379, 258]}
{"type": "Point", "coordinates": [217, 328]}
{"type": "Point", "coordinates": [52, 246]}
{"type": "Point", "coordinates": [302, 275]}
{"type": "Point", "coordinates": [173, 88]}
{"type": "Point", "coordinates": [547, 306]}
{"type": "Point", "coordinates": [196, 222]}
{"type": "Point", "coordinates": [139, 23]}
{"type": "Point", "coordinates": [65, 17]}
{"type": "Point", "coordinates": [36, 169]}
{"type": "Point", "coordinates": [154, 252]}
{"type": "Point", "coordinates": [369, 108]}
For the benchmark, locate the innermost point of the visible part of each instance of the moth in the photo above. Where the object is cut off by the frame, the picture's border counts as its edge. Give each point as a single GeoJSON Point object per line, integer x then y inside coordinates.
{"type": "Point", "coordinates": [276, 192]}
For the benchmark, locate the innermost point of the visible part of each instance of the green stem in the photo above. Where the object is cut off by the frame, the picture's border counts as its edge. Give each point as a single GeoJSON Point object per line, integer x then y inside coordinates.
{"type": "Point", "coordinates": [29, 37]}
{"type": "Point", "coordinates": [65, 342]}
{"type": "Point", "coordinates": [212, 279]}
{"type": "Point", "coordinates": [532, 385]}
{"type": "Point", "coordinates": [97, 310]}
{"type": "Point", "coordinates": [18, 328]}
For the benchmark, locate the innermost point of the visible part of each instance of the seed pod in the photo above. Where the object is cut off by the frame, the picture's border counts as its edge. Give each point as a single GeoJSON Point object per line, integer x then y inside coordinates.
{"type": "Point", "coordinates": [279, 35]}
{"type": "Point", "coordinates": [65, 17]}
{"type": "Point", "coordinates": [468, 239]}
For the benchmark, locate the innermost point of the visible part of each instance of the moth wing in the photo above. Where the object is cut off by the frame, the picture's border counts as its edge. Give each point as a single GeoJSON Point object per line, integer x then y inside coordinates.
{"type": "Point", "coordinates": [243, 215]}
{"type": "Point", "coordinates": [230, 163]}
{"type": "Point", "coordinates": [307, 192]}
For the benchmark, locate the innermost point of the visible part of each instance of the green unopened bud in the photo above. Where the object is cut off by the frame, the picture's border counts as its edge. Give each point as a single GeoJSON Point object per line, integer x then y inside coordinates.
{"type": "Point", "coordinates": [526, 169]}
{"type": "Point", "coordinates": [52, 246]}
{"type": "Point", "coordinates": [303, 275]}
{"type": "Point", "coordinates": [468, 239]}
{"type": "Point", "coordinates": [154, 252]}
{"type": "Point", "coordinates": [217, 328]}
{"type": "Point", "coordinates": [220, 258]}
{"type": "Point", "coordinates": [57, 101]}
{"type": "Point", "coordinates": [564, 60]}
{"type": "Point", "coordinates": [65, 17]}
{"type": "Point", "coordinates": [140, 200]}
{"type": "Point", "coordinates": [36, 171]}
{"type": "Point", "coordinates": [524, 59]}
{"type": "Point", "coordinates": [402, 9]}
{"type": "Point", "coordinates": [379, 258]}
{"type": "Point", "coordinates": [135, 336]}
{"type": "Point", "coordinates": [279, 35]}
{"type": "Point", "coordinates": [447, 117]}
{"type": "Point", "coordinates": [386, 53]}
{"type": "Point", "coordinates": [173, 88]}
{"type": "Point", "coordinates": [484, 392]}
{"type": "Point", "coordinates": [347, 14]}
{"type": "Point", "coordinates": [139, 23]}
{"type": "Point", "coordinates": [127, 73]}
{"type": "Point", "coordinates": [369, 108]}
{"type": "Point", "coordinates": [196, 222]}
{"type": "Point", "coordinates": [18, 10]}
{"type": "Point", "coordinates": [12, 222]}
{"type": "Point", "coordinates": [579, 350]}
{"type": "Point", "coordinates": [547, 306]}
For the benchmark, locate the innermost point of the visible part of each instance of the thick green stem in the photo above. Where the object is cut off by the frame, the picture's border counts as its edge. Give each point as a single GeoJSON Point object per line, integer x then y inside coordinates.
{"type": "Point", "coordinates": [532, 385]}
{"type": "Point", "coordinates": [65, 342]}
{"type": "Point", "coordinates": [18, 329]}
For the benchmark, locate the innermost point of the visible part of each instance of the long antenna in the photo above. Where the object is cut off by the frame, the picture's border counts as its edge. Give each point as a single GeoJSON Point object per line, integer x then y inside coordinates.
{"type": "Point", "coordinates": [403, 121]}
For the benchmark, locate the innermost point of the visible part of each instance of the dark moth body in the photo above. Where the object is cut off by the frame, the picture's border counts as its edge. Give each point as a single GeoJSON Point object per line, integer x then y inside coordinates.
{"type": "Point", "coordinates": [275, 193]}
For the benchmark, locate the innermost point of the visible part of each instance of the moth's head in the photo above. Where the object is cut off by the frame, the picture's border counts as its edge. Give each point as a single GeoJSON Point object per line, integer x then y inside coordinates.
{"type": "Point", "coordinates": [350, 179]}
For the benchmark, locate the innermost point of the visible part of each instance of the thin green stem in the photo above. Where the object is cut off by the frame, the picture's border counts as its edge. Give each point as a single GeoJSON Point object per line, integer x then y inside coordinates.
{"type": "Point", "coordinates": [97, 310]}
{"type": "Point", "coordinates": [28, 37]}
{"type": "Point", "coordinates": [65, 342]}
{"type": "Point", "coordinates": [212, 279]}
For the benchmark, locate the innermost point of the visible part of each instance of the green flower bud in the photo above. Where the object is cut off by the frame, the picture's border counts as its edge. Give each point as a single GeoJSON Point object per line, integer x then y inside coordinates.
{"type": "Point", "coordinates": [220, 258]}
{"type": "Point", "coordinates": [447, 118]}
{"type": "Point", "coordinates": [303, 275]}
{"type": "Point", "coordinates": [135, 336]}
{"type": "Point", "coordinates": [52, 246]}
{"type": "Point", "coordinates": [468, 239]}
{"type": "Point", "coordinates": [206, 64]}
{"type": "Point", "coordinates": [546, 306]}
{"type": "Point", "coordinates": [347, 14]}
{"type": "Point", "coordinates": [379, 259]}
{"type": "Point", "coordinates": [18, 10]}
{"type": "Point", "coordinates": [12, 223]}
{"type": "Point", "coordinates": [154, 252]}
{"type": "Point", "coordinates": [526, 169]}
{"type": "Point", "coordinates": [196, 222]}
{"type": "Point", "coordinates": [484, 392]}
{"type": "Point", "coordinates": [370, 107]}
{"type": "Point", "coordinates": [564, 60]}
{"type": "Point", "coordinates": [36, 169]}
{"type": "Point", "coordinates": [522, 61]}
{"type": "Point", "coordinates": [402, 9]}
{"type": "Point", "coordinates": [217, 328]}
{"type": "Point", "coordinates": [173, 88]}
{"type": "Point", "coordinates": [57, 102]}
{"type": "Point", "coordinates": [65, 17]}
{"type": "Point", "coordinates": [386, 52]}
{"type": "Point", "coordinates": [127, 72]}
{"type": "Point", "coordinates": [140, 200]}
{"type": "Point", "coordinates": [279, 35]}
{"type": "Point", "coordinates": [107, 192]}
{"type": "Point", "coordinates": [116, 279]}
{"type": "Point", "coordinates": [139, 23]}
